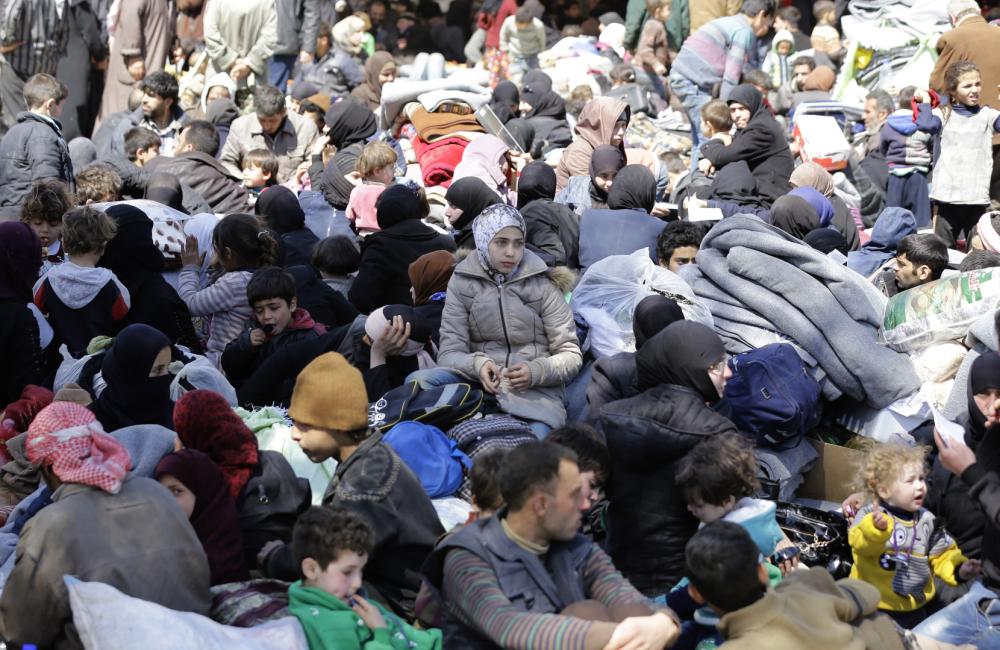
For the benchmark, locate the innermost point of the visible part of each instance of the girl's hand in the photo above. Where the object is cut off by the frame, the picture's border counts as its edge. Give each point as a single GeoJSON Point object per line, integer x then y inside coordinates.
{"type": "Point", "coordinates": [879, 519]}
{"type": "Point", "coordinates": [367, 613]}
{"type": "Point", "coordinates": [489, 376]}
{"type": "Point", "coordinates": [970, 569]}
{"type": "Point", "coordinates": [190, 255]}
{"type": "Point", "coordinates": [519, 376]}
{"type": "Point", "coordinates": [851, 505]}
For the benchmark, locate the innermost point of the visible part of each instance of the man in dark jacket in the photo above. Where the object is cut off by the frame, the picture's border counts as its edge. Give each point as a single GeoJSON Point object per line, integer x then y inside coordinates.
{"type": "Point", "coordinates": [329, 410]}
{"type": "Point", "coordinates": [34, 148]}
{"type": "Point", "coordinates": [298, 22]}
{"type": "Point", "coordinates": [196, 165]}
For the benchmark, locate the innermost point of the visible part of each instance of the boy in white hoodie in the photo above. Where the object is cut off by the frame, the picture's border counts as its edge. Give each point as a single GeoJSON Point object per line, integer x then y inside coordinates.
{"type": "Point", "coordinates": [778, 62]}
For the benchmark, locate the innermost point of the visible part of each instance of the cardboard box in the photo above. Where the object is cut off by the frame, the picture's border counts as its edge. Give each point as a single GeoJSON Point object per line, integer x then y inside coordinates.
{"type": "Point", "coordinates": [832, 477]}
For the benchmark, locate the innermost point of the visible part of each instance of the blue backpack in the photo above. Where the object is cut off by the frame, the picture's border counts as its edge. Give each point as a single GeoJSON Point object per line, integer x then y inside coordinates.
{"type": "Point", "coordinates": [432, 456]}
{"type": "Point", "coordinates": [772, 396]}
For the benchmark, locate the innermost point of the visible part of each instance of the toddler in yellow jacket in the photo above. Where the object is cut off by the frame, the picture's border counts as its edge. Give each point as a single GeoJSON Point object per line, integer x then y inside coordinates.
{"type": "Point", "coordinates": [898, 546]}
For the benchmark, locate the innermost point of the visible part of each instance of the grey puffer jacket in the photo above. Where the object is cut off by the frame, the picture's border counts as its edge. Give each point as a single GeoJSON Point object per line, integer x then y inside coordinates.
{"type": "Point", "coordinates": [526, 319]}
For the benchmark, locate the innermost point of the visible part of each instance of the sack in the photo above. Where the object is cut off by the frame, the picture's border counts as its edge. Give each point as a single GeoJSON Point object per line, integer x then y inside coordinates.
{"type": "Point", "coordinates": [820, 536]}
{"type": "Point", "coordinates": [431, 455]}
{"type": "Point", "coordinates": [439, 406]}
{"type": "Point", "coordinates": [772, 395]}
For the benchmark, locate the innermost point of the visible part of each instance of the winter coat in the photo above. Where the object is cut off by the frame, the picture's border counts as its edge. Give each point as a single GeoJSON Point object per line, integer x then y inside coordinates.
{"type": "Point", "coordinates": [607, 232]}
{"type": "Point", "coordinates": [649, 523]}
{"type": "Point", "coordinates": [139, 541]}
{"type": "Point", "coordinates": [224, 302]}
{"type": "Point", "coordinates": [909, 144]}
{"type": "Point", "coordinates": [890, 228]}
{"type": "Point", "coordinates": [20, 351]}
{"type": "Point", "coordinates": [553, 232]}
{"type": "Point", "coordinates": [245, 29]}
{"type": "Point", "coordinates": [297, 247]}
{"type": "Point", "coordinates": [269, 504]}
{"type": "Point", "coordinates": [206, 175]}
{"type": "Point", "coordinates": [652, 47]}
{"type": "Point", "coordinates": [526, 319]}
{"type": "Point", "coordinates": [296, 27]}
{"type": "Point", "coordinates": [385, 261]}
{"type": "Point", "coordinates": [336, 74]}
{"type": "Point", "coordinates": [594, 127]}
{"type": "Point", "coordinates": [241, 358]}
{"type": "Point", "coordinates": [33, 149]}
{"type": "Point", "coordinates": [613, 378]}
{"type": "Point", "coordinates": [325, 304]}
{"type": "Point", "coordinates": [291, 144]}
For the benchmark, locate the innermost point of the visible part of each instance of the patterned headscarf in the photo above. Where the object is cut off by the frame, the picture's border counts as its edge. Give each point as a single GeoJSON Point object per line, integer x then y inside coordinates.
{"type": "Point", "coordinates": [68, 437]}
{"type": "Point", "coordinates": [490, 221]}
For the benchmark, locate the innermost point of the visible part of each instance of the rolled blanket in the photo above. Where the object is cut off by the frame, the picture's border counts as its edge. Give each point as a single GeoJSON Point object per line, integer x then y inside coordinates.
{"type": "Point", "coordinates": [438, 159]}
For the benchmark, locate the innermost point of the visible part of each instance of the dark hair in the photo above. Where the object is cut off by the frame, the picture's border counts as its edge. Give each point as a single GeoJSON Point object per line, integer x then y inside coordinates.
{"type": "Point", "coordinates": [588, 444]}
{"type": "Point", "coordinates": [98, 182]}
{"type": "Point", "coordinates": [523, 15]}
{"type": "Point", "coordinates": [804, 60]}
{"type": "Point", "coordinates": [270, 282]}
{"type": "Point", "coordinates": [753, 7]}
{"type": "Point", "coordinates": [531, 467]}
{"type": "Point", "coordinates": [86, 230]}
{"type": "Point", "coordinates": [906, 96]}
{"type": "Point", "coordinates": [336, 255]}
{"type": "Point", "coordinates": [717, 115]}
{"type": "Point", "coordinates": [324, 31]}
{"type": "Point", "coordinates": [977, 260]}
{"type": "Point", "coordinates": [954, 72]}
{"type": "Point", "coordinates": [721, 562]}
{"type": "Point", "coordinates": [759, 78]}
{"type": "Point", "coordinates": [677, 234]}
{"type": "Point", "coordinates": [925, 249]}
{"type": "Point", "coordinates": [624, 73]}
{"type": "Point", "coordinates": [162, 84]}
{"type": "Point", "coordinates": [483, 480]}
{"type": "Point", "coordinates": [251, 246]}
{"type": "Point", "coordinates": [139, 137]}
{"type": "Point", "coordinates": [324, 532]}
{"type": "Point", "coordinates": [717, 468]}
{"type": "Point", "coordinates": [42, 87]}
{"type": "Point", "coordinates": [790, 15]}
{"type": "Point", "coordinates": [265, 160]}
{"type": "Point", "coordinates": [202, 135]}
{"type": "Point", "coordinates": [268, 101]}
{"type": "Point", "coordinates": [49, 199]}
{"type": "Point", "coordinates": [821, 7]}
{"type": "Point", "coordinates": [883, 101]}
{"type": "Point", "coordinates": [307, 106]}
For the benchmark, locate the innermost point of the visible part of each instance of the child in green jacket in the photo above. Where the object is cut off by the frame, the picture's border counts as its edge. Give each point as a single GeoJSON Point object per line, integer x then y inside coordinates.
{"type": "Point", "coordinates": [331, 546]}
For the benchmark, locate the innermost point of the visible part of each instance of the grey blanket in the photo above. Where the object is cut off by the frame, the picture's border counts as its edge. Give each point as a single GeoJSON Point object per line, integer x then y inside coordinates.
{"type": "Point", "coordinates": [827, 310]}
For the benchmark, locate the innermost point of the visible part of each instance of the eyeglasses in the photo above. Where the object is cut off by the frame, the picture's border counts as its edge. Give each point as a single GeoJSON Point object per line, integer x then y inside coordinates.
{"type": "Point", "coordinates": [719, 368]}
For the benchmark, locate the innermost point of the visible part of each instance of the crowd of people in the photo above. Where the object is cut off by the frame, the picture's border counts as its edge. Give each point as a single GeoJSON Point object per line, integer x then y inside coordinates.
{"type": "Point", "coordinates": [506, 324]}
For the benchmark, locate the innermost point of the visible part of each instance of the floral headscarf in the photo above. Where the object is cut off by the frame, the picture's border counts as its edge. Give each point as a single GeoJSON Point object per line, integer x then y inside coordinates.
{"type": "Point", "coordinates": [486, 226]}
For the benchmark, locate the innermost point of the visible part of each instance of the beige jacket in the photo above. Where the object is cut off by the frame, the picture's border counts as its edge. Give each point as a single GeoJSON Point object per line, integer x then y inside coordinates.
{"type": "Point", "coordinates": [241, 29]}
{"type": "Point", "coordinates": [139, 541]}
{"type": "Point", "coordinates": [705, 11]}
{"type": "Point", "coordinates": [524, 320]}
{"type": "Point", "coordinates": [291, 144]}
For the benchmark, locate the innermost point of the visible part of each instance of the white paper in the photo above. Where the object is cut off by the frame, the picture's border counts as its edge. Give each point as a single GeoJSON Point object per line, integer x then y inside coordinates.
{"type": "Point", "coordinates": [704, 214]}
{"type": "Point", "coordinates": [950, 431]}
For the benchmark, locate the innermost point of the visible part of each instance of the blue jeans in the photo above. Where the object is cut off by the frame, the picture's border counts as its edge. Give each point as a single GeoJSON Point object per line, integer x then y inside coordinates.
{"type": "Point", "coordinates": [974, 618]}
{"type": "Point", "coordinates": [693, 98]}
{"type": "Point", "coordinates": [279, 70]}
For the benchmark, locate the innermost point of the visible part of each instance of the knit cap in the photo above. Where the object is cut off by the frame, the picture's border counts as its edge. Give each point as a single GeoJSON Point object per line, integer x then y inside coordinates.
{"type": "Point", "coordinates": [330, 394]}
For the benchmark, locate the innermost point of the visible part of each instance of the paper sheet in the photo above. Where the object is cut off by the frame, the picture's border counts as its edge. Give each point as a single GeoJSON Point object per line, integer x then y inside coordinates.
{"type": "Point", "coordinates": [950, 431]}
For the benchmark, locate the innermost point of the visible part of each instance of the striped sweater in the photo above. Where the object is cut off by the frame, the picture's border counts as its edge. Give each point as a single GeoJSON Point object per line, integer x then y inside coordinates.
{"type": "Point", "coordinates": [224, 303]}
{"type": "Point", "coordinates": [718, 52]}
{"type": "Point", "coordinates": [474, 597]}
{"type": "Point", "coordinates": [41, 26]}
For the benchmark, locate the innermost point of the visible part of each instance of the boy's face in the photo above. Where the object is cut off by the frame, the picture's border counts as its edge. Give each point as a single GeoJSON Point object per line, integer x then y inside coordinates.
{"type": "Point", "coordinates": [274, 314]}
{"type": "Point", "coordinates": [217, 92]}
{"type": "Point", "coordinates": [255, 176]}
{"type": "Point", "coordinates": [706, 513]}
{"type": "Point", "coordinates": [681, 256]}
{"type": "Point", "coordinates": [909, 275]}
{"type": "Point", "coordinates": [143, 156]}
{"type": "Point", "coordinates": [907, 491]}
{"type": "Point", "coordinates": [341, 578]}
{"type": "Point", "coordinates": [49, 233]}
{"type": "Point", "coordinates": [784, 47]}
{"type": "Point", "coordinates": [799, 74]}
{"type": "Point", "coordinates": [317, 444]}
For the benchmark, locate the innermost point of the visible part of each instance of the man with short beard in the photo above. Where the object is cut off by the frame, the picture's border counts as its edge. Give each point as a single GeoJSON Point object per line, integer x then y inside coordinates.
{"type": "Point", "coordinates": [160, 111]}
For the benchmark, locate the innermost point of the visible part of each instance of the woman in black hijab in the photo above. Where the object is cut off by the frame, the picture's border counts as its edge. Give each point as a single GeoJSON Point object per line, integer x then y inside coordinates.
{"type": "Point", "coordinates": [553, 229]}
{"type": "Point", "coordinates": [282, 213]}
{"type": "Point", "coordinates": [467, 197]}
{"type": "Point", "coordinates": [138, 263]}
{"type": "Point", "coordinates": [759, 140]}
{"type": "Point", "coordinates": [634, 189]}
{"type": "Point", "coordinates": [349, 124]}
{"type": "Point", "coordinates": [625, 226]}
{"type": "Point", "coordinates": [584, 192]}
{"type": "Point", "coordinates": [794, 215]}
{"type": "Point", "coordinates": [679, 370]}
{"type": "Point", "coordinates": [545, 110]}
{"type": "Point", "coordinates": [505, 101]}
{"type": "Point", "coordinates": [138, 382]}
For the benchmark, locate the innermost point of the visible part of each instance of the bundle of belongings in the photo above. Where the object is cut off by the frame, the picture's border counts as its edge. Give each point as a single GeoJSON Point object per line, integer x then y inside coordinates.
{"type": "Point", "coordinates": [764, 286]}
{"type": "Point", "coordinates": [442, 124]}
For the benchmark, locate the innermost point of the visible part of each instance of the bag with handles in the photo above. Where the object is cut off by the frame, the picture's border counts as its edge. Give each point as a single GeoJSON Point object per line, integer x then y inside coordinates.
{"type": "Point", "coordinates": [440, 406]}
{"type": "Point", "coordinates": [772, 396]}
{"type": "Point", "coordinates": [432, 456]}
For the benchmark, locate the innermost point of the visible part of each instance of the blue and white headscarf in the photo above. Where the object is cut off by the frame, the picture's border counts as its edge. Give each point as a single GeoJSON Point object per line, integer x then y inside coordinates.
{"type": "Point", "coordinates": [490, 221]}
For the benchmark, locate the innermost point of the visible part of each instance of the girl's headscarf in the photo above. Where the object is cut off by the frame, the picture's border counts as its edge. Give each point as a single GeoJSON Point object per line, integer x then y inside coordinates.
{"type": "Point", "coordinates": [634, 189]}
{"type": "Point", "coordinates": [505, 101]}
{"type": "Point", "coordinates": [342, 32]}
{"type": "Point", "coordinates": [810, 174]}
{"type": "Point", "coordinates": [819, 203]}
{"type": "Point", "coordinates": [280, 209]}
{"type": "Point", "coordinates": [537, 181]}
{"type": "Point", "coordinates": [597, 120]}
{"type": "Point", "coordinates": [604, 159]}
{"type": "Point", "coordinates": [471, 195]}
{"type": "Point", "coordinates": [681, 355]}
{"type": "Point", "coordinates": [652, 315]}
{"type": "Point", "coordinates": [131, 395]}
{"type": "Point", "coordinates": [482, 159]}
{"type": "Point", "coordinates": [429, 275]}
{"type": "Point", "coordinates": [794, 215]}
{"type": "Point", "coordinates": [214, 518]}
{"type": "Point", "coordinates": [20, 259]}
{"type": "Point", "coordinates": [984, 375]}
{"type": "Point", "coordinates": [486, 226]}
{"type": "Point", "coordinates": [420, 332]}
{"type": "Point", "coordinates": [67, 437]}
{"type": "Point", "coordinates": [205, 421]}
{"type": "Point", "coordinates": [349, 121]}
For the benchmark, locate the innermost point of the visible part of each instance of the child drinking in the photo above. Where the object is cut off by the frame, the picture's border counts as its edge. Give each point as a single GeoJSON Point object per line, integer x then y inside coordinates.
{"type": "Point", "coordinates": [240, 246]}
{"type": "Point", "coordinates": [376, 168]}
{"type": "Point", "coordinates": [896, 543]}
{"type": "Point", "coordinates": [962, 173]}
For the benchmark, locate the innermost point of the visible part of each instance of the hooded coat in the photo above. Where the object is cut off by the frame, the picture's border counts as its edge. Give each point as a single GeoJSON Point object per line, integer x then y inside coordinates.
{"type": "Point", "coordinates": [648, 436]}
{"type": "Point", "coordinates": [625, 226]}
{"type": "Point", "coordinates": [553, 229]}
{"type": "Point", "coordinates": [594, 127]}
{"type": "Point", "coordinates": [482, 159]}
{"type": "Point", "coordinates": [762, 144]}
{"type": "Point", "coordinates": [890, 227]}
{"type": "Point", "coordinates": [370, 92]}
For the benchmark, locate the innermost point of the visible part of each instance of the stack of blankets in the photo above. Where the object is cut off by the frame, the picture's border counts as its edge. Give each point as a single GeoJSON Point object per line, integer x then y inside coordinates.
{"type": "Point", "coordinates": [764, 286]}
{"type": "Point", "coordinates": [442, 125]}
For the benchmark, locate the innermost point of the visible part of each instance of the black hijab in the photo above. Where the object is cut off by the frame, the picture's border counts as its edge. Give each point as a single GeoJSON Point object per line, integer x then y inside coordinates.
{"type": "Point", "coordinates": [827, 240]}
{"type": "Point", "coordinates": [523, 132]}
{"type": "Point", "coordinates": [132, 396]}
{"type": "Point", "coordinates": [634, 189]}
{"type": "Point", "coordinates": [652, 315]}
{"type": "Point", "coordinates": [681, 355]}
{"type": "Point", "coordinates": [280, 210]}
{"type": "Point", "coordinates": [537, 181]}
{"type": "Point", "coordinates": [131, 254]}
{"type": "Point", "coordinates": [349, 121]}
{"type": "Point", "coordinates": [735, 184]}
{"type": "Point", "coordinates": [505, 101]}
{"type": "Point", "coordinates": [605, 158]}
{"type": "Point", "coordinates": [748, 96]}
{"type": "Point", "coordinates": [395, 204]}
{"type": "Point", "coordinates": [984, 375]}
{"type": "Point", "coordinates": [472, 196]}
{"type": "Point", "coordinates": [166, 189]}
{"type": "Point", "coordinates": [794, 215]}
{"type": "Point", "coordinates": [539, 95]}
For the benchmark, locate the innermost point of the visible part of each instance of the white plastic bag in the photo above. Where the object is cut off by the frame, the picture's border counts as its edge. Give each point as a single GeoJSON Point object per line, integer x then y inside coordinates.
{"type": "Point", "coordinates": [609, 291]}
{"type": "Point", "coordinates": [107, 619]}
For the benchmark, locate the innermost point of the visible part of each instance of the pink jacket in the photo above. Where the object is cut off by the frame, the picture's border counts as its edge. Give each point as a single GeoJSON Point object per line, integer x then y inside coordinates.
{"type": "Point", "coordinates": [361, 207]}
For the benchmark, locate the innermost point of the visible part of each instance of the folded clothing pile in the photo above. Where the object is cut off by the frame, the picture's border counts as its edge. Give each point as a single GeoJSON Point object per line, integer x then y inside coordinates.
{"type": "Point", "coordinates": [444, 126]}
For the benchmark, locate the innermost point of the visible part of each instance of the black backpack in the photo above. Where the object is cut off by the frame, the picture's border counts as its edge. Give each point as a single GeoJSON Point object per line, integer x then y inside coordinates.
{"type": "Point", "coordinates": [439, 406]}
